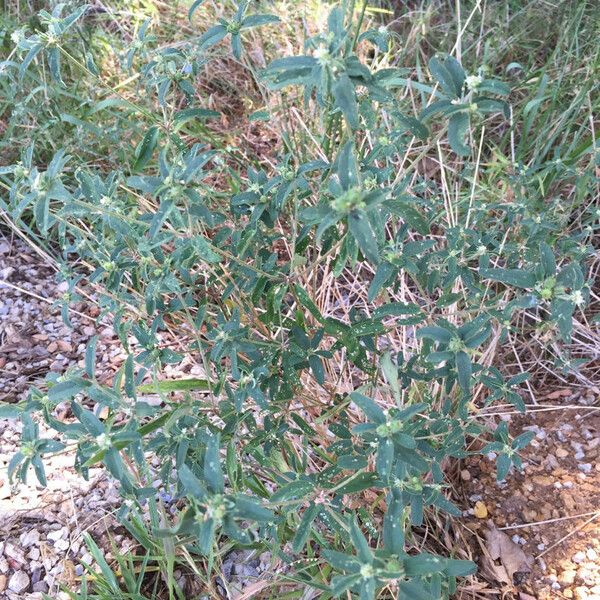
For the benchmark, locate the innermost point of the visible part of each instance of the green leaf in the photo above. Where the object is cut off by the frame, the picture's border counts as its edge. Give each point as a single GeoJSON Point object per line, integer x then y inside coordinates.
{"type": "Point", "coordinates": [358, 483]}
{"type": "Point", "coordinates": [360, 228]}
{"type": "Point", "coordinates": [411, 590]}
{"type": "Point", "coordinates": [367, 589]}
{"type": "Point", "coordinates": [145, 149]}
{"type": "Point", "coordinates": [307, 302]}
{"type": "Point", "coordinates": [562, 313]}
{"type": "Point", "coordinates": [213, 474]}
{"type": "Point", "coordinates": [54, 64]}
{"type": "Point", "coordinates": [464, 369]}
{"type": "Point", "coordinates": [456, 72]}
{"type": "Point", "coordinates": [519, 278]}
{"type": "Point", "coordinates": [174, 385]}
{"type": "Point", "coordinates": [384, 272]}
{"type": "Point", "coordinates": [211, 37]}
{"type": "Point", "coordinates": [129, 376]}
{"type": "Point", "coordinates": [195, 113]}
{"type": "Point", "coordinates": [293, 490]}
{"type": "Point", "coordinates": [305, 527]}
{"type": "Point", "coordinates": [193, 8]}
{"type": "Point", "coordinates": [259, 115]}
{"type": "Point", "coordinates": [458, 126]}
{"type": "Point", "coordinates": [191, 483]}
{"type": "Point", "coordinates": [66, 390]}
{"type": "Point", "coordinates": [360, 543]}
{"type": "Point", "coordinates": [352, 462]}
{"type": "Point", "coordinates": [369, 407]}
{"type": "Point", "coordinates": [89, 420]}
{"type": "Point", "coordinates": [418, 129]}
{"type": "Point", "coordinates": [9, 411]}
{"type": "Point", "coordinates": [523, 440]}
{"type": "Point", "coordinates": [316, 367]}
{"type": "Point", "coordinates": [493, 86]}
{"type": "Point", "coordinates": [444, 77]}
{"type": "Point", "coordinates": [205, 250]}
{"type": "Point", "coordinates": [347, 167]}
{"type": "Point", "coordinates": [30, 56]}
{"type": "Point", "coordinates": [258, 20]}
{"type": "Point", "coordinates": [385, 457]}
{"type": "Point", "coordinates": [393, 528]}
{"type": "Point", "coordinates": [206, 535]}
{"type": "Point", "coordinates": [503, 464]}
{"type": "Point", "coordinates": [108, 575]}
{"type": "Point", "coordinates": [396, 309]}
{"type": "Point", "coordinates": [342, 583]}
{"type": "Point", "coordinates": [409, 214]}
{"type": "Point", "coordinates": [435, 333]}
{"type": "Point", "coordinates": [547, 260]}
{"type": "Point", "coordinates": [247, 508]}
{"type": "Point", "coordinates": [459, 568]}
{"type": "Point", "coordinates": [345, 99]}
{"type": "Point", "coordinates": [341, 561]}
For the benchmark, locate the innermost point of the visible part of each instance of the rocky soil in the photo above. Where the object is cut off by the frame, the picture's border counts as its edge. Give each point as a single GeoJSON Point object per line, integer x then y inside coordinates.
{"type": "Point", "coordinates": [538, 532]}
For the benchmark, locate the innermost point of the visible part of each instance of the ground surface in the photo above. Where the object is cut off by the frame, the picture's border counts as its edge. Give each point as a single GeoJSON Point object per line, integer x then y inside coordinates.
{"type": "Point", "coordinates": [537, 535]}
{"type": "Point", "coordinates": [548, 516]}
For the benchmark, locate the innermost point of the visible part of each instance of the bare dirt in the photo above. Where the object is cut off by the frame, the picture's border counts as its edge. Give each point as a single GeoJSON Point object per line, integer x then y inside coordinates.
{"type": "Point", "coordinates": [546, 517]}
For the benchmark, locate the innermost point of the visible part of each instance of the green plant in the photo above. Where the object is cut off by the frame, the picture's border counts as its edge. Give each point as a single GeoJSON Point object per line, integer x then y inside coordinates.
{"type": "Point", "coordinates": [305, 405]}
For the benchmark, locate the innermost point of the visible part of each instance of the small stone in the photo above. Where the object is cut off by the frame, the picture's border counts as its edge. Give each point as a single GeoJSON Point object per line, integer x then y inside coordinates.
{"type": "Point", "coordinates": [568, 593]}
{"type": "Point", "coordinates": [52, 347]}
{"type": "Point", "coordinates": [594, 443]}
{"type": "Point", "coordinates": [578, 557]}
{"type": "Point", "coordinates": [59, 534]}
{"type": "Point", "coordinates": [591, 554]}
{"type": "Point", "coordinates": [40, 586]}
{"type": "Point", "coordinates": [30, 538]}
{"type": "Point", "coordinates": [18, 582]}
{"type": "Point", "coordinates": [585, 574]}
{"type": "Point", "coordinates": [13, 553]}
{"type": "Point", "coordinates": [36, 572]}
{"type": "Point", "coordinates": [3, 583]}
{"type": "Point", "coordinates": [567, 577]}
{"type": "Point", "coordinates": [543, 480]}
{"type": "Point", "coordinates": [64, 346]}
{"type": "Point", "coordinates": [480, 510]}
{"type": "Point", "coordinates": [465, 475]}
{"type": "Point", "coordinates": [581, 593]}
{"type": "Point", "coordinates": [61, 545]}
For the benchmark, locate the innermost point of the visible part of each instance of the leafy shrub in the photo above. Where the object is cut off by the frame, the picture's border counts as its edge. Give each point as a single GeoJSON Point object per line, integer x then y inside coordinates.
{"type": "Point", "coordinates": [344, 312]}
